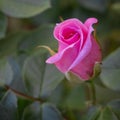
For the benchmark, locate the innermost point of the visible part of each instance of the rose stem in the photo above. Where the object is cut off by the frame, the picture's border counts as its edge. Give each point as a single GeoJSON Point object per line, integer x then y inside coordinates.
{"type": "Point", "coordinates": [93, 92]}
{"type": "Point", "coordinates": [24, 95]}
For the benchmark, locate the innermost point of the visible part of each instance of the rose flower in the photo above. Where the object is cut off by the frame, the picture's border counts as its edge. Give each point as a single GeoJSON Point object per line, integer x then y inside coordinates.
{"type": "Point", "coordinates": [78, 49]}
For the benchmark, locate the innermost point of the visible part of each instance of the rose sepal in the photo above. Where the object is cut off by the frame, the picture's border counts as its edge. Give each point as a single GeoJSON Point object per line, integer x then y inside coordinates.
{"type": "Point", "coordinates": [52, 52]}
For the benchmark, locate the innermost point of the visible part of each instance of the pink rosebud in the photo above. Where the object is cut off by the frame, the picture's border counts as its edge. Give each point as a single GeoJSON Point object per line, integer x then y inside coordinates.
{"type": "Point", "coordinates": [78, 49]}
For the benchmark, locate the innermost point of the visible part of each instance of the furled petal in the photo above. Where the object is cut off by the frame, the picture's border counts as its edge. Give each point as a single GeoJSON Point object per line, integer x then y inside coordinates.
{"type": "Point", "coordinates": [87, 46]}
{"type": "Point", "coordinates": [70, 35]}
{"type": "Point", "coordinates": [64, 59]}
{"type": "Point", "coordinates": [84, 69]}
{"type": "Point", "coordinates": [78, 37]}
{"type": "Point", "coordinates": [70, 22]}
{"type": "Point", "coordinates": [62, 46]}
{"type": "Point", "coordinates": [90, 21]}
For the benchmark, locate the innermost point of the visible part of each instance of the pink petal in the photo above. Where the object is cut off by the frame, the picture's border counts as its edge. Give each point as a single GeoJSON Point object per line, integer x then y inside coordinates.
{"type": "Point", "coordinates": [62, 46]}
{"type": "Point", "coordinates": [82, 52]}
{"type": "Point", "coordinates": [70, 35]}
{"type": "Point", "coordinates": [84, 69]}
{"type": "Point", "coordinates": [64, 59]}
{"type": "Point", "coordinates": [90, 21]}
{"type": "Point", "coordinates": [70, 22]}
{"type": "Point", "coordinates": [53, 58]}
{"type": "Point", "coordinates": [87, 43]}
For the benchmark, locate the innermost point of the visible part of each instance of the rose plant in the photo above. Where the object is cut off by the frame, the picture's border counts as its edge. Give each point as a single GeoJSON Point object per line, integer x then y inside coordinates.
{"type": "Point", "coordinates": [78, 48]}
{"type": "Point", "coordinates": [33, 89]}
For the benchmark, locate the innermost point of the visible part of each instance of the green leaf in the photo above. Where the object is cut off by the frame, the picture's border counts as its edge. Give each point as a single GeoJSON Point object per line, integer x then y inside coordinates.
{"type": "Point", "coordinates": [111, 78]}
{"type": "Point", "coordinates": [93, 113]}
{"type": "Point", "coordinates": [115, 106]}
{"type": "Point", "coordinates": [40, 78]}
{"type": "Point", "coordinates": [32, 112]}
{"type": "Point", "coordinates": [106, 93]}
{"type": "Point", "coordinates": [17, 81]}
{"type": "Point", "coordinates": [97, 5]}
{"type": "Point", "coordinates": [9, 44]}
{"type": "Point", "coordinates": [22, 105]}
{"type": "Point", "coordinates": [3, 25]}
{"type": "Point", "coordinates": [60, 93]}
{"type": "Point", "coordinates": [23, 8]}
{"type": "Point", "coordinates": [107, 114]}
{"type": "Point", "coordinates": [111, 71]}
{"type": "Point", "coordinates": [68, 96]}
{"type": "Point", "coordinates": [46, 111]}
{"type": "Point", "coordinates": [50, 112]}
{"type": "Point", "coordinates": [8, 107]}
{"type": "Point", "coordinates": [27, 41]}
{"type": "Point", "coordinates": [74, 79]}
{"type": "Point", "coordinates": [10, 74]}
{"type": "Point", "coordinates": [43, 36]}
{"type": "Point", "coordinates": [6, 73]}
{"type": "Point", "coordinates": [76, 98]}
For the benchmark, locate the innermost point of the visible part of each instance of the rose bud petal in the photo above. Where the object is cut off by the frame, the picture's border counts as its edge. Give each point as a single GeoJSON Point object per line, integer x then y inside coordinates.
{"type": "Point", "coordinates": [78, 49]}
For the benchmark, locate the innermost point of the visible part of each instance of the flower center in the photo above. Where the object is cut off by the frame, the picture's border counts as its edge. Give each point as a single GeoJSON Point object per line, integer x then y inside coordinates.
{"type": "Point", "coordinates": [68, 33]}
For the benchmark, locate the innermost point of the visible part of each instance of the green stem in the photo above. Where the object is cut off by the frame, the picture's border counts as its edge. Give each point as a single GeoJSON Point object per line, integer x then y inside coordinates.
{"type": "Point", "coordinates": [93, 92]}
{"type": "Point", "coordinates": [24, 95]}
